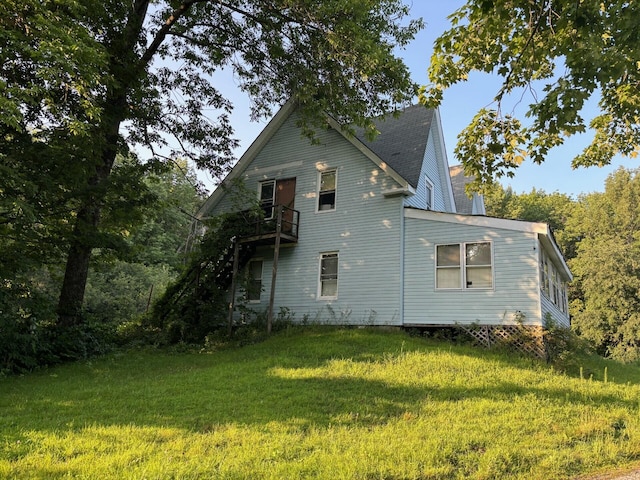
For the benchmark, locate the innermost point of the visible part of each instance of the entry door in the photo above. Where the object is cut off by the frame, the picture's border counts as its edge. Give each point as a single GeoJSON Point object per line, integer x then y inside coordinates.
{"type": "Point", "coordinates": [286, 195]}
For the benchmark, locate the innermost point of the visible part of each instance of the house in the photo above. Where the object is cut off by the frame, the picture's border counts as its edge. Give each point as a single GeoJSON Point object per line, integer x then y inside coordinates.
{"type": "Point", "coordinates": [382, 233]}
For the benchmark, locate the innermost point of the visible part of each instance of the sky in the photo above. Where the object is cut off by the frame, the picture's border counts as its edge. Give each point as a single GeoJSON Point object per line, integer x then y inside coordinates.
{"type": "Point", "coordinates": [461, 102]}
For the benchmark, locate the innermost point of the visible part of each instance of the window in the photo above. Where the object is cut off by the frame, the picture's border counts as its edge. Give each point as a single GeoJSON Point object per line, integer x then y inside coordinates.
{"type": "Point", "coordinates": [254, 284]}
{"type": "Point", "coordinates": [429, 193]}
{"type": "Point", "coordinates": [557, 288]}
{"type": "Point", "coordinates": [328, 287]}
{"type": "Point", "coordinates": [267, 197]}
{"type": "Point", "coordinates": [544, 274]}
{"type": "Point", "coordinates": [448, 272]}
{"type": "Point", "coordinates": [464, 265]}
{"type": "Point", "coordinates": [552, 284]}
{"type": "Point", "coordinates": [327, 191]}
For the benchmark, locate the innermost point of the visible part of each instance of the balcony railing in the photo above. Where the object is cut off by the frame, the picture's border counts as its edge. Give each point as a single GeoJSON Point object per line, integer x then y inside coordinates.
{"type": "Point", "coordinates": [284, 221]}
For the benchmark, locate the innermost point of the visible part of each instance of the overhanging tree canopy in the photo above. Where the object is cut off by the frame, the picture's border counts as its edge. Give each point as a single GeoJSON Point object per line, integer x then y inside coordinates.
{"type": "Point", "coordinates": [571, 51]}
{"type": "Point", "coordinates": [88, 79]}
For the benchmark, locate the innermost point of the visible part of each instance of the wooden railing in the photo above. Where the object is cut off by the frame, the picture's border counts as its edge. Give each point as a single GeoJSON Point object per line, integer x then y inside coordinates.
{"type": "Point", "coordinates": [285, 220]}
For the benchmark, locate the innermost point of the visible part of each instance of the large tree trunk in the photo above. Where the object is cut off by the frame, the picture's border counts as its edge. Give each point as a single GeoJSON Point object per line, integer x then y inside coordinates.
{"type": "Point", "coordinates": [86, 228]}
{"type": "Point", "coordinates": [77, 268]}
{"type": "Point", "coordinates": [83, 241]}
{"type": "Point", "coordinates": [126, 68]}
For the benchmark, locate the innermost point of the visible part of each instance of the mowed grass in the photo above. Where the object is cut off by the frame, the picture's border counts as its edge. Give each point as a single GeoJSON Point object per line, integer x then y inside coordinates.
{"type": "Point", "coordinates": [320, 403]}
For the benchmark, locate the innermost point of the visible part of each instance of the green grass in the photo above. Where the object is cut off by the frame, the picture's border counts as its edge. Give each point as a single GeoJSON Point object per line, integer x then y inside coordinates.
{"type": "Point", "coordinates": [331, 404]}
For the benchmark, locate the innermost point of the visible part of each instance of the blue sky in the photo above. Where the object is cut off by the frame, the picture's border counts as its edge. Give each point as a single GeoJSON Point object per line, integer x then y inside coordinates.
{"type": "Point", "coordinates": [460, 104]}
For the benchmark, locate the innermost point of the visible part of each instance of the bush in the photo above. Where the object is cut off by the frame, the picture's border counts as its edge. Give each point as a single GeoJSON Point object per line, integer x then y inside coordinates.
{"type": "Point", "coordinates": [23, 311]}
{"type": "Point", "coordinates": [30, 338]}
{"type": "Point", "coordinates": [564, 347]}
{"type": "Point", "coordinates": [196, 304]}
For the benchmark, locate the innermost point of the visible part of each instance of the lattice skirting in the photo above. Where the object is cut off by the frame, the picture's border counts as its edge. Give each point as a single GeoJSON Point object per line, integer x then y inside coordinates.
{"type": "Point", "coordinates": [527, 339]}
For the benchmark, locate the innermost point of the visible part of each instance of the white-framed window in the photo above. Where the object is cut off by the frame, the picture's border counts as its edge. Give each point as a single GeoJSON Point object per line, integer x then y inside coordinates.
{"type": "Point", "coordinates": [254, 281]}
{"type": "Point", "coordinates": [328, 279]}
{"type": "Point", "coordinates": [267, 196]}
{"type": "Point", "coordinates": [448, 266]}
{"type": "Point", "coordinates": [554, 287]}
{"type": "Point", "coordinates": [464, 266]}
{"type": "Point", "coordinates": [544, 274]}
{"type": "Point", "coordinates": [478, 265]}
{"type": "Point", "coordinates": [428, 193]}
{"type": "Point", "coordinates": [551, 283]}
{"type": "Point", "coordinates": [327, 182]}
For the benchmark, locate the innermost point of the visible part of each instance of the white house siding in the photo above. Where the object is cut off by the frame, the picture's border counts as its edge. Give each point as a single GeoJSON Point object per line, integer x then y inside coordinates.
{"type": "Point", "coordinates": [516, 287]}
{"type": "Point", "coordinates": [556, 314]}
{"type": "Point", "coordinates": [365, 229]}
{"type": "Point", "coordinates": [430, 168]}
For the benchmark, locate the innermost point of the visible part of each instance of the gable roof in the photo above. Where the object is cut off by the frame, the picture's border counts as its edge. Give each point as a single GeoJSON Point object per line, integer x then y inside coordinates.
{"type": "Point", "coordinates": [402, 141]}
{"type": "Point", "coordinates": [388, 166]}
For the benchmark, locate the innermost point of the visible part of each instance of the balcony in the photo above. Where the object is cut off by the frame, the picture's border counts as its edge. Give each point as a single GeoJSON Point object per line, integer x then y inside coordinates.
{"type": "Point", "coordinates": [284, 224]}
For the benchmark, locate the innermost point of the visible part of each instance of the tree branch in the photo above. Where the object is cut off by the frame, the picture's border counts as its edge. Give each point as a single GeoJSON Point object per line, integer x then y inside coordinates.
{"type": "Point", "coordinates": [164, 30]}
{"type": "Point", "coordinates": [186, 5]}
{"type": "Point", "coordinates": [536, 26]}
{"type": "Point", "coordinates": [199, 43]}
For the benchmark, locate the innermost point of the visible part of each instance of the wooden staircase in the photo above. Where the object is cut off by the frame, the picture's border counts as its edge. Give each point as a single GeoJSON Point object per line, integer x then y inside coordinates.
{"type": "Point", "coordinates": [223, 268]}
{"type": "Point", "coordinates": [283, 227]}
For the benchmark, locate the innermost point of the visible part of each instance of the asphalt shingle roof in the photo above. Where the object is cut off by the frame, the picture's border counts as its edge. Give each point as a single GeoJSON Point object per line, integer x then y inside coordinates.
{"type": "Point", "coordinates": [459, 181]}
{"type": "Point", "coordinates": [402, 141]}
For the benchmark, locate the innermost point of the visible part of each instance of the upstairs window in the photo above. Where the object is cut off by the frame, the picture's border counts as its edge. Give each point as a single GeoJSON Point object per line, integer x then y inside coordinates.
{"type": "Point", "coordinates": [328, 285]}
{"type": "Point", "coordinates": [267, 197]}
{"type": "Point", "coordinates": [464, 266]}
{"type": "Point", "coordinates": [327, 191]}
{"type": "Point", "coordinates": [429, 193]}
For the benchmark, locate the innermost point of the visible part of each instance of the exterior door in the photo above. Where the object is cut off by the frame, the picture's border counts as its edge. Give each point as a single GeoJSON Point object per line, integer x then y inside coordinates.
{"type": "Point", "coordinates": [286, 195]}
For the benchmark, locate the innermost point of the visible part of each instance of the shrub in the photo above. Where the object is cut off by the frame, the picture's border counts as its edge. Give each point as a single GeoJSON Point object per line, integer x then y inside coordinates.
{"type": "Point", "coordinates": [196, 304]}
{"type": "Point", "coordinates": [563, 346]}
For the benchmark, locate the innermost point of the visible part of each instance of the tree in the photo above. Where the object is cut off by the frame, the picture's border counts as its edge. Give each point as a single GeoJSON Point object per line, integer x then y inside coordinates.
{"type": "Point", "coordinates": [554, 209]}
{"type": "Point", "coordinates": [123, 283]}
{"type": "Point", "coordinates": [160, 238]}
{"type": "Point", "coordinates": [606, 309]}
{"type": "Point", "coordinates": [145, 254]}
{"type": "Point", "coordinates": [573, 51]}
{"type": "Point", "coordinates": [86, 80]}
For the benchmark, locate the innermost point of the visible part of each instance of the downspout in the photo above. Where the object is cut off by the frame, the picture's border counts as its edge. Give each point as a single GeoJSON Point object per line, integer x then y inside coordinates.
{"type": "Point", "coordinates": [537, 248]}
{"type": "Point", "coordinates": [402, 239]}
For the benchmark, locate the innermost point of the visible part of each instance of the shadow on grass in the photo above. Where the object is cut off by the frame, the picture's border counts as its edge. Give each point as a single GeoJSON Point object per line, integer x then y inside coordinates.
{"type": "Point", "coordinates": [199, 392]}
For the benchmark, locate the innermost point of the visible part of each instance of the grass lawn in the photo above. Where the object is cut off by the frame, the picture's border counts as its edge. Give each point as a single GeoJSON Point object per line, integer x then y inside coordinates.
{"type": "Point", "coordinates": [320, 403]}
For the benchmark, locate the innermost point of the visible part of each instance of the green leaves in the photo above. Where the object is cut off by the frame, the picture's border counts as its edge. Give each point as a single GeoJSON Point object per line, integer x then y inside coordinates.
{"type": "Point", "coordinates": [82, 81]}
{"type": "Point", "coordinates": [51, 68]}
{"type": "Point", "coordinates": [572, 51]}
{"type": "Point", "coordinates": [490, 148]}
{"type": "Point", "coordinates": [607, 267]}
